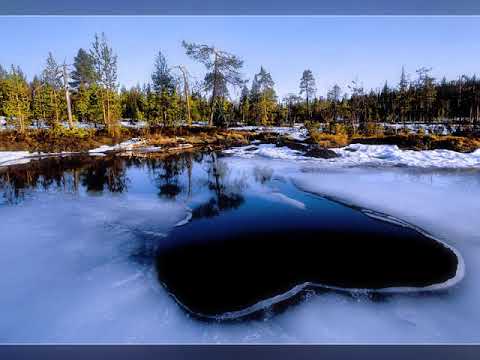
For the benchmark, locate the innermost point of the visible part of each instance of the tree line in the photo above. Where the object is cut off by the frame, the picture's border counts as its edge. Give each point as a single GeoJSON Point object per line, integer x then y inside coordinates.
{"type": "Point", "coordinates": [88, 91]}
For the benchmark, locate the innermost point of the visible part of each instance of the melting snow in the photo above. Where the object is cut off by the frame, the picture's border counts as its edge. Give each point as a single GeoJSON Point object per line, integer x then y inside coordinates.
{"type": "Point", "coordinates": [14, 157]}
{"type": "Point", "coordinates": [298, 132]}
{"type": "Point", "coordinates": [368, 155]}
{"type": "Point", "coordinates": [126, 145]}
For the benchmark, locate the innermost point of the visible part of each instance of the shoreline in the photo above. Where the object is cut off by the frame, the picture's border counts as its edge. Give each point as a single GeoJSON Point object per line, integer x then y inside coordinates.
{"type": "Point", "coordinates": [158, 141]}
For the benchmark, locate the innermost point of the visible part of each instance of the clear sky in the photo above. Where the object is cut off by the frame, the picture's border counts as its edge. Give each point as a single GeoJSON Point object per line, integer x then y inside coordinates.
{"type": "Point", "coordinates": [336, 49]}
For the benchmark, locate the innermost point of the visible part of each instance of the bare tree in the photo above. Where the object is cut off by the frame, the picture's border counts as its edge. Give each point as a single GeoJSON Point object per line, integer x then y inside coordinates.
{"type": "Point", "coordinates": [186, 91]}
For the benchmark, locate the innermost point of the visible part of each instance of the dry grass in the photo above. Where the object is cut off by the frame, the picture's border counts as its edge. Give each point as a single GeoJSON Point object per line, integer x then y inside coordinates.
{"type": "Point", "coordinates": [65, 140]}
{"type": "Point", "coordinates": [329, 140]}
{"type": "Point", "coordinates": [423, 142]}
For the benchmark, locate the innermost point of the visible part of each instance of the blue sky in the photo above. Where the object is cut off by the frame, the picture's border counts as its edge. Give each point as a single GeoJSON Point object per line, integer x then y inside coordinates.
{"type": "Point", "coordinates": [336, 49]}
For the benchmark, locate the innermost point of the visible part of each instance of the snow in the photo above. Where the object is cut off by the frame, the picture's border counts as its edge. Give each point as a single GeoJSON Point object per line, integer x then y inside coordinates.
{"type": "Point", "coordinates": [385, 155]}
{"type": "Point", "coordinates": [298, 132]}
{"type": "Point", "coordinates": [126, 145]}
{"type": "Point", "coordinates": [437, 129]}
{"type": "Point", "coordinates": [368, 155]}
{"type": "Point", "coordinates": [134, 124]}
{"type": "Point", "coordinates": [269, 151]}
{"type": "Point", "coordinates": [23, 157]}
{"type": "Point", "coordinates": [14, 157]}
{"type": "Point", "coordinates": [80, 124]}
{"type": "Point", "coordinates": [83, 244]}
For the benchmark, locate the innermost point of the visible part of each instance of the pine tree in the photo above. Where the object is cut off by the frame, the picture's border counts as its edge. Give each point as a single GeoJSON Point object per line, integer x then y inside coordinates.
{"type": "Point", "coordinates": [133, 103]}
{"type": "Point", "coordinates": [162, 78]}
{"type": "Point", "coordinates": [105, 64]}
{"type": "Point", "coordinates": [223, 69]}
{"type": "Point", "coordinates": [51, 78]}
{"type": "Point", "coordinates": [39, 103]}
{"type": "Point", "coordinates": [263, 96]}
{"type": "Point", "coordinates": [333, 99]}
{"type": "Point", "coordinates": [402, 97]}
{"type": "Point", "coordinates": [83, 73]}
{"type": "Point", "coordinates": [16, 101]}
{"type": "Point", "coordinates": [244, 103]}
{"type": "Point", "coordinates": [307, 87]}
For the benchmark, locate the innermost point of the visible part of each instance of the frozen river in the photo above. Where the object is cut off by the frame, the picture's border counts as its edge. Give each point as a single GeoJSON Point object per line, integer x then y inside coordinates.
{"type": "Point", "coordinates": [86, 247]}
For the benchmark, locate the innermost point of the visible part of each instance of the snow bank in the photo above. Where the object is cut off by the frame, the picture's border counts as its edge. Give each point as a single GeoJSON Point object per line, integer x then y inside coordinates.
{"type": "Point", "coordinates": [368, 155]}
{"type": "Point", "coordinates": [14, 157]}
{"type": "Point", "coordinates": [269, 151]}
{"type": "Point", "coordinates": [134, 124]}
{"type": "Point", "coordinates": [386, 155]}
{"type": "Point", "coordinates": [437, 129]}
{"type": "Point", "coordinates": [126, 145]}
{"type": "Point", "coordinates": [23, 157]}
{"type": "Point", "coordinates": [298, 132]}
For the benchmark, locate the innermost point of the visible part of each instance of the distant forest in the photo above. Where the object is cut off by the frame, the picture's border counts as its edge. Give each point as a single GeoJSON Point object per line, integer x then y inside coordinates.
{"type": "Point", "coordinates": [88, 91]}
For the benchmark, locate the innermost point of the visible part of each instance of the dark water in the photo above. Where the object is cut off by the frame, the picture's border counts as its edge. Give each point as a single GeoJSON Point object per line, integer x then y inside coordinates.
{"type": "Point", "coordinates": [252, 237]}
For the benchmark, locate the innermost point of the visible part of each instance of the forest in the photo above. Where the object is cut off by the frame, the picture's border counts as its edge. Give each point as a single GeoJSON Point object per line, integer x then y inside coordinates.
{"type": "Point", "coordinates": [87, 92]}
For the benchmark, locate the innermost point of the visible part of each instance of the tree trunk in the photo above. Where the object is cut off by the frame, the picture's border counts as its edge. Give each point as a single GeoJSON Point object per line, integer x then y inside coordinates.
{"type": "Point", "coordinates": [214, 90]}
{"type": "Point", "coordinates": [186, 93]}
{"type": "Point", "coordinates": [67, 97]}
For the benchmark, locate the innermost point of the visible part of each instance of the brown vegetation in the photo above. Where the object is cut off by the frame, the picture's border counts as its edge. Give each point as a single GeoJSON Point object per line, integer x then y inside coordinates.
{"type": "Point", "coordinates": [81, 140]}
{"type": "Point", "coordinates": [423, 142]}
{"type": "Point", "coordinates": [62, 140]}
{"type": "Point", "coordinates": [339, 136]}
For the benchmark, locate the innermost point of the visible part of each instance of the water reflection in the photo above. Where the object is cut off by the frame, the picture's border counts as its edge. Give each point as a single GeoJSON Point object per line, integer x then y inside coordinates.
{"type": "Point", "coordinates": [226, 195]}
{"type": "Point", "coordinates": [67, 174]}
{"type": "Point", "coordinates": [172, 176]}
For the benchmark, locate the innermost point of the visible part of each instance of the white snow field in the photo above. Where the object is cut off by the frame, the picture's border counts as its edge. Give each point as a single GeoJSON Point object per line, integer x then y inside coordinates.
{"type": "Point", "coordinates": [68, 275]}
{"type": "Point", "coordinates": [367, 155]}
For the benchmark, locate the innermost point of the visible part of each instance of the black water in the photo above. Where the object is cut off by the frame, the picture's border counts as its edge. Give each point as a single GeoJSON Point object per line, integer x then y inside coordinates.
{"type": "Point", "coordinates": [245, 243]}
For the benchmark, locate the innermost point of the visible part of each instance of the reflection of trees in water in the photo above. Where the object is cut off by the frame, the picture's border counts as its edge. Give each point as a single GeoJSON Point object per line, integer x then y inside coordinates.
{"type": "Point", "coordinates": [172, 176]}
{"type": "Point", "coordinates": [109, 173]}
{"type": "Point", "coordinates": [262, 174]}
{"type": "Point", "coordinates": [48, 174]}
{"type": "Point", "coordinates": [166, 173]}
{"type": "Point", "coordinates": [64, 174]}
{"type": "Point", "coordinates": [227, 194]}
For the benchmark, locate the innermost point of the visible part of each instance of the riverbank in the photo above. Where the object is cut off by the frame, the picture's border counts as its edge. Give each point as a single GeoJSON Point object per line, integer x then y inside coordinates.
{"type": "Point", "coordinates": [83, 140]}
{"type": "Point", "coordinates": [158, 141]}
{"type": "Point", "coordinates": [153, 141]}
{"type": "Point", "coordinates": [405, 141]}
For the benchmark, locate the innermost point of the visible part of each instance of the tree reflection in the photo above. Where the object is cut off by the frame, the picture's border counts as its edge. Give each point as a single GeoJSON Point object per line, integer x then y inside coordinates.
{"type": "Point", "coordinates": [227, 195]}
{"type": "Point", "coordinates": [184, 174]}
{"type": "Point", "coordinates": [66, 174]}
{"type": "Point", "coordinates": [109, 174]}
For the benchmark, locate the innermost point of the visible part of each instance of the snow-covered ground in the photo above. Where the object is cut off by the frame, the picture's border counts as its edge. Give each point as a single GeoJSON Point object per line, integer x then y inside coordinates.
{"type": "Point", "coordinates": [14, 157]}
{"type": "Point", "coordinates": [23, 157]}
{"type": "Point", "coordinates": [367, 155]}
{"type": "Point", "coordinates": [298, 132]}
{"type": "Point", "coordinates": [133, 124]}
{"type": "Point", "coordinates": [126, 145]}
{"type": "Point", "coordinates": [437, 129]}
